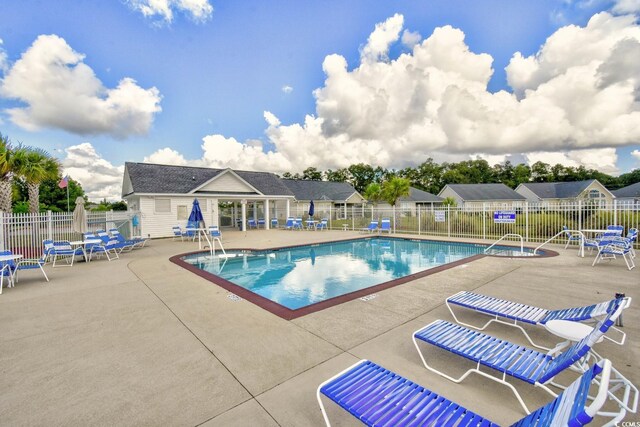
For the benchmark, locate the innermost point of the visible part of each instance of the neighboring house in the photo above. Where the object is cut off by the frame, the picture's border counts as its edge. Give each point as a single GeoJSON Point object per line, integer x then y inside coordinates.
{"type": "Point", "coordinates": [629, 196]}
{"type": "Point", "coordinates": [163, 194]}
{"type": "Point", "coordinates": [327, 196]}
{"type": "Point", "coordinates": [548, 193]}
{"type": "Point", "coordinates": [483, 195]}
{"type": "Point", "coordinates": [414, 199]}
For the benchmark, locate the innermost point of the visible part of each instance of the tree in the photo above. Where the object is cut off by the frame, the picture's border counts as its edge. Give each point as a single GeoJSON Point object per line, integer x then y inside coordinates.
{"type": "Point", "coordinates": [540, 172]}
{"type": "Point", "coordinates": [449, 201]}
{"type": "Point", "coordinates": [35, 165]}
{"type": "Point", "coordinates": [53, 198]}
{"type": "Point", "coordinates": [312, 174]}
{"type": "Point", "coordinates": [373, 193]}
{"type": "Point", "coordinates": [6, 173]}
{"type": "Point", "coordinates": [340, 175]}
{"type": "Point", "coordinates": [361, 176]}
{"type": "Point", "coordinates": [394, 189]}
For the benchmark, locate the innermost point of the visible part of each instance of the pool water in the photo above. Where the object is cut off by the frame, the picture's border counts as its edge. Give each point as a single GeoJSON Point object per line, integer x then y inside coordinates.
{"type": "Point", "coordinates": [300, 276]}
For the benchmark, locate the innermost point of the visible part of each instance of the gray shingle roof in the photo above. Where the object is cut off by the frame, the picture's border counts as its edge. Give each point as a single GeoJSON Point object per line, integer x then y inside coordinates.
{"type": "Point", "coordinates": [558, 190]}
{"type": "Point", "coordinates": [478, 192]}
{"type": "Point", "coordinates": [418, 196]}
{"type": "Point", "coordinates": [169, 179]}
{"type": "Point", "coordinates": [319, 190]}
{"type": "Point", "coordinates": [632, 190]}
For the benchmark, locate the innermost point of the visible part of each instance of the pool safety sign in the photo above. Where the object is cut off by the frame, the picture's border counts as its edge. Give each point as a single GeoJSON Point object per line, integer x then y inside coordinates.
{"type": "Point", "coordinates": [504, 217]}
{"type": "Point", "coordinates": [440, 216]}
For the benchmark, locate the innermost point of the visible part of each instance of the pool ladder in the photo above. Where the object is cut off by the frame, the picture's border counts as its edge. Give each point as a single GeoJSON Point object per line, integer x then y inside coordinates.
{"type": "Point", "coordinates": [211, 244]}
{"type": "Point", "coordinates": [568, 233]}
{"type": "Point", "coordinates": [504, 237]}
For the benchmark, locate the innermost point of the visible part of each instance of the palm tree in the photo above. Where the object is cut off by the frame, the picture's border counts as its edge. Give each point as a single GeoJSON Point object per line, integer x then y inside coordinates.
{"type": "Point", "coordinates": [392, 190]}
{"type": "Point", "coordinates": [35, 165]}
{"type": "Point", "coordinates": [6, 173]}
{"type": "Point", "coordinates": [395, 188]}
{"type": "Point", "coordinates": [373, 194]}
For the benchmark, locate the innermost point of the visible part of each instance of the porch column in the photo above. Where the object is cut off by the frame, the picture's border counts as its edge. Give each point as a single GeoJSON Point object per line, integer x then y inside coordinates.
{"type": "Point", "coordinates": [243, 224]}
{"type": "Point", "coordinates": [215, 214]}
{"type": "Point", "coordinates": [267, 215]}
{"type": "Point", "coordinates": [255, 212]}
{"type": "Point", "coordinates": [288, 210]}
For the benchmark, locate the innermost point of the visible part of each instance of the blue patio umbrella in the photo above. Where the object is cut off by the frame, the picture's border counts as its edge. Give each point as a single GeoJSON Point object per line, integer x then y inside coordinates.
{"type": "Point", "coordinates": [311, 208]}
{"type": "Point", "coordinates": [196, 215]}
{"type": "Point", "coordinates": [312, 255]}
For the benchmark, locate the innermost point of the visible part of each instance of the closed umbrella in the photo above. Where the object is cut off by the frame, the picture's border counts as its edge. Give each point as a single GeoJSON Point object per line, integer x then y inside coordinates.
{"type": "Point", "coordinates": [312, 208]}
{"type": "Point", "coordinates": [196, 215]}
{"type": "Point", "coordinates": [80, 217]}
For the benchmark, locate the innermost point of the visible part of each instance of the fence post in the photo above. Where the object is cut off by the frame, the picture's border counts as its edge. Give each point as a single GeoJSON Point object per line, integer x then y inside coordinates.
{"type": "Point", "coordinates": [330, 217]}
{"type": "Point", "coordinates": [418, 219]}
{"type": "Point", "coordinates": [526, 220]}
{"type": "Point", "coordinates": [49, 225]}
{"type": "Point", "coordinates": [2, 247]}
{"type": "Point", "coordinates": [579, 214]}
{"type": "Point", "coordinates": [615, 212]}
{"type": "Point", "coordinates": [353, 217]}
{"type": "Point", "coordinates": [484, 220]}
{"type": "Point", "coordinates": [448, 220]}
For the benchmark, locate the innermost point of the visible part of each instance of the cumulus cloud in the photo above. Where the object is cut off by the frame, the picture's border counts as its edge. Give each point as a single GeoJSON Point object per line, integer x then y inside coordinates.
{"type": "Point", "coordinates": [62, 92]}
{"type": "Point", "coordinates": [197, 10]}
{"type": "Point", "coordinates": [575, 99]}
{"type": "Point", "coordinates": [603, 159]}
{"type": "Point", "coordinates": [410, 38]}
{"type": "Point", "coordinates": [99, 178]}
{"type": "Point", "coordinates": [626, 6]}
{"type": "Point", "coordinates": [636, 154]}
{"type": "Point", "coordinates": [287, 89]}
{"type": "Point", "coordinates": [166, 156]}
{"type": "Point", "coordinates": [4, 61]}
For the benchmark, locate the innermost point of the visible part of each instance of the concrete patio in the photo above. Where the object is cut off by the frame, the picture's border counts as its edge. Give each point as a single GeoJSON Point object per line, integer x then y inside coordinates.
{"type": "Point", "coordinates": [141, 341]}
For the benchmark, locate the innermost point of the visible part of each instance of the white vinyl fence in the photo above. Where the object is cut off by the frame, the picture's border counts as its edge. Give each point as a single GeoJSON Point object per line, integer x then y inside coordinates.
{"type": "Point", "coordinates": [24, 233]}
{"type": "Point", "coordinates": [535, 222]}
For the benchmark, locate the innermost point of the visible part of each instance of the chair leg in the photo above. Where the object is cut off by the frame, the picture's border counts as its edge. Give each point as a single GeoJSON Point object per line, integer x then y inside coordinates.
{"type": "Point", "coordinates": [42, 269]}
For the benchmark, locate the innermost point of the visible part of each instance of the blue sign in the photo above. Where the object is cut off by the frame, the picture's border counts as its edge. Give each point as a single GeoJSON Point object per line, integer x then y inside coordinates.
{"type": "Point", "coordinates": [504, 217]}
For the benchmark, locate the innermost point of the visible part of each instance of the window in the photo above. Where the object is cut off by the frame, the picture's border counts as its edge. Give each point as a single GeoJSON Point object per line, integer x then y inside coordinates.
{"type": "Point", "coordinates": [595, 194]}
{"type": "Point", "coordinates": [163, 205]}
{"type": "Point", "coordinates": [182, 213]}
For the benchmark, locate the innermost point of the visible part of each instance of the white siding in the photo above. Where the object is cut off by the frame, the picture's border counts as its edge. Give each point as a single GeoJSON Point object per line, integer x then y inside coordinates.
{"type": "Point", "coordinates": [448, 192]}
{"type": "Point", "coordinates": [227, 182]}
{"type": "Point", "coordinates": [126, 184]}
{"type": "Point", "coordinates": [528, 194]}
{"type": "Point", "coordinates": [159, 224]}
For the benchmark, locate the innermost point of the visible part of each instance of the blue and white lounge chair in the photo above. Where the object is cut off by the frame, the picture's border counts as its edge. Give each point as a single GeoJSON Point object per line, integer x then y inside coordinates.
{"type": "Point", "coordinates": [120, 245]}
{"type": "Point", "coordinates": [110, 247]}
{"type": "Point", "coordinates": [177, 232]}
{"type": "Point", "coordinates": [30, 264]}
{"type": "Point", "coordinates": [385, 225]}
{"type": "Point", "coordinates": [514, 313]}
{"type": "Point", "coordinates": [289, 224]}
{"type": "Point", "coordinates": [274, 223]}
{"type": "Point", "coordinates": [615, 247]}
{"type": "Point", "coordinates": [61, 249]}
{"type": "Point", "coordinates": [261, 223]}
{"type": "Point", "coordinates": [571, 237]}
{"type": "Point", "coordinates": [323, 224]}
{"type": "Point", "coordinates": [379, 397]}
{"type": "Point", "coordinates": [251, 223]}
{"type": "Point", "coordinates": [297, 224]}
{"type": "Point", "coordinates": [511, 359]}
{"type": "Point", "coordinates": [214, 231]}
{"type": "Point", "coordinates": [134, 242]}
{"type": "Point", "coordinates": [373, 226]}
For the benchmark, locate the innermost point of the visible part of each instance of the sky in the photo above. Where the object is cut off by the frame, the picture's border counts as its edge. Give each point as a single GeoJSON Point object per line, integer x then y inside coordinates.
{"type": "Point", "coordinates": [284, 85]}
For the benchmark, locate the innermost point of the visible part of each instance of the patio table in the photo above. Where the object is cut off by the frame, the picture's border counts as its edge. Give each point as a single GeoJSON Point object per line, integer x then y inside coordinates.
{"type": "Point", "coordinates": [311, 223]}
{"type": "Point", "coordinates": [83, 245]}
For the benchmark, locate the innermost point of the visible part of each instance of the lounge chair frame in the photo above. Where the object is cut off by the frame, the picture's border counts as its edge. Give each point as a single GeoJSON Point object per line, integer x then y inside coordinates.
{"type": "Point", "coordinates": [515, 314]}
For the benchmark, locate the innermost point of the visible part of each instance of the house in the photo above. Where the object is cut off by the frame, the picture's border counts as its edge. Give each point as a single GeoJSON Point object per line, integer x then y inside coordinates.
{"type": "Point", "coordinates": [415, 198]}
{"type": "Point", "coordinates": [327, 196]}
{"type": "Point", "coordinates": [548, 193]}
{"type": "Point", "coordinates": [483, 195]}
{"type": "Point", "coordinates": [628, 196]}
{"type": "Point", "coordinates": [164, 194]}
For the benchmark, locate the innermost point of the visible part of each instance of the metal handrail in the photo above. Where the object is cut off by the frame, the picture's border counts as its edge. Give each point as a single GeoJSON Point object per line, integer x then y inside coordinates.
{"type": "Point", "coordinates": [581, 251]}
{"type": "Point", "coordinates": [505, 236]}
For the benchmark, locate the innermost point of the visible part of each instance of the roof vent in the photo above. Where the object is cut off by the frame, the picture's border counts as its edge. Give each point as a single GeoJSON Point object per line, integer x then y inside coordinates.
{"type": "Point", "coordinates": [193, 178]}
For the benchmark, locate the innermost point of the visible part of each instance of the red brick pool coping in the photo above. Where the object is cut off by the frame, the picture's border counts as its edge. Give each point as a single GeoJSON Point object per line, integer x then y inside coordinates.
{"type": "Point", "coordinates": [289, 314]}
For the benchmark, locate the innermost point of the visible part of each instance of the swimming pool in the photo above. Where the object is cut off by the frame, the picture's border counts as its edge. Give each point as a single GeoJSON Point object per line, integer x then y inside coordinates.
{"type": "Point", "coordinates": [297, 278]}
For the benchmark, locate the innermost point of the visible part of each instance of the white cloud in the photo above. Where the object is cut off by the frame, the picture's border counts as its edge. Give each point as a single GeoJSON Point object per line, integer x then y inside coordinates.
{"type": "Point", "coordinates": [603, 159]}
{"type": "Point", "coordinates": [4, 61]}
{"type": "Point", "coordinates": [385, 34]}
{"type": "Point", "coordinates": [575, 101]}
{"type": "Point", "coordinates": [636, 154]}
{"type": "Point", "coordinates": [99, 178]}
{"type": "Point", "coordinates": [166, 156]}
{"type": "Point", "coordinates": [626, 6]}
{"type": "Point", "coordinates": [410, 38]}
{"type": "Point", "coordinates": [287, 89]}
{"type": "Point", "coordinates": [62, 92]}
{"type": "Point", "coordinates": [198, 10]}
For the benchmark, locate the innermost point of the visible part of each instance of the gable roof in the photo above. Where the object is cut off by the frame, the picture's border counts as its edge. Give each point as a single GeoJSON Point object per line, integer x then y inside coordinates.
{"type": "Point", "coordinates": [169, 179]}
{"type": "Point", "coordinates": [477, 192]}
{"type": "Point", "coordinates": [416, 195]}
{"type": "Point", "coordinates": [558, 190]}
{"type": "Point", "coordinates": [319, 190]}
{"type": "Point", "coordinates": [632, 190]}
